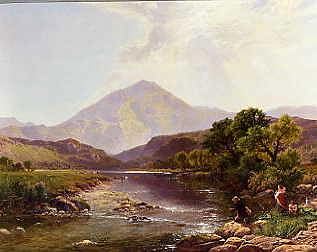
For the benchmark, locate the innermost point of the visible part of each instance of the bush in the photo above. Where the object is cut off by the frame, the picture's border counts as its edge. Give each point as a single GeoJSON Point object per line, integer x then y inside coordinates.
{"type": "Point", "coordinates": [272, 177]}
{"type": "Point", "coordinates": [287, 226]}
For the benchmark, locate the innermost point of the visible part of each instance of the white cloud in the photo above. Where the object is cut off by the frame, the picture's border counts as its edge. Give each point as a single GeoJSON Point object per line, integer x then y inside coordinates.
{"type": "Point", "coordinates": [223, 53]}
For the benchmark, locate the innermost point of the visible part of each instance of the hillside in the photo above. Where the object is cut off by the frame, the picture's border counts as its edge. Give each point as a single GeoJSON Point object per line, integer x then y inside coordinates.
{"type": "Point", "coordinates": [62, 154]}
{"type": "Point", "coordinates": [163, 147]}
{"type": "Point", "coordinates": [11, 121]}
{"type": "Point", "coordinates": [306, 112]}
{"type": "Point", "coordinates": [125, 119]}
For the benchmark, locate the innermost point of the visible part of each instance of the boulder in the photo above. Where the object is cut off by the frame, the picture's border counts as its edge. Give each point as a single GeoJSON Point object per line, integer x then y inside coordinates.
{"type": "Point", "coordinates": [267, 243]}
{"type": "Point", "coordinates": [19, 230]}
{"type": "Point", "coordinates": [4, 232]}
{"type": "Point", "coordinates": [259, 224]}
{"type": "Point", "coordinates": [304, 188]}
{"type": "Point", "coordinates": [137, 219]}
{"type": "Point", "coordinates": [84, 243]}
{"type": "Point", "coordinates": [315, 189]}
{"type": "Point", "coordinates": [249, 237]}
{"type": "Point", "coordinates": [229, 229]}
{"type": "Point", "coordinates": [242, 231]}
{"type": "Point", "coordinates": [295, 248]}
{"type": "Point", "coordinates": [235, 241]}
{"type": "Point", "coordinates": [250, 248]}
{"type": "Point", "coordinates": [64, 204]}
{"type": "Point", "coordinates": [199, 243]}
{"type": "Point", "coordinates": [224, 248]}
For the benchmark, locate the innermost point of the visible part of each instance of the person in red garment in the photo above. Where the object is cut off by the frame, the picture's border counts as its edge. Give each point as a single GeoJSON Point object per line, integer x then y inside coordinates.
{"type": "Point", "coordinates": [281, 200]}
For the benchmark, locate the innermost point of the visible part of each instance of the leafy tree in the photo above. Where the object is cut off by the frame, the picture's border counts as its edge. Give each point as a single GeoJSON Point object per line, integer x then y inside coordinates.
{"type": "Point", "coordinates": [220, 139]}
{"type": "Point", "coordinates": [249, 145]}
{"type": "Point", "coordinates": [194, 159]}
{"type": "Point", "coordinates": [181, 160]}
{"type": "Point", "coordinates": [27, 165]}
{"type": "Point", "coordinates": [247, 119]}
{"type": "Point", "coordinates": [269, 142]}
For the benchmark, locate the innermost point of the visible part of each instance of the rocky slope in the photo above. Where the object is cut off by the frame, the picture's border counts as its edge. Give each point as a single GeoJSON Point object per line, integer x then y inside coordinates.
{"type": "Point", "coordinates": [68, 153]}
{"type": "Point", "coordinates": [125, 119]}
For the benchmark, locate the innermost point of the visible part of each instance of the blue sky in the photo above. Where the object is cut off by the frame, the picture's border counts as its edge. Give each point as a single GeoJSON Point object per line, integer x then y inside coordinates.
{"type": "Point", "coordinates": [57, 58]}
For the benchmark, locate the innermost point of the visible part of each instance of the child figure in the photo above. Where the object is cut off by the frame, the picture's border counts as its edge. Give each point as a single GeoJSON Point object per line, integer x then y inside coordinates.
{"type": "Point", "coordinates": [292, 208]}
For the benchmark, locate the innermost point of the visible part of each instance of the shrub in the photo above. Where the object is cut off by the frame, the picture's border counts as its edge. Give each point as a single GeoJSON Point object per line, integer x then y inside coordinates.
{"type": "Point", "coordinates": [287, 226]}
{"type": "Point", "coordinates": [272, 177]}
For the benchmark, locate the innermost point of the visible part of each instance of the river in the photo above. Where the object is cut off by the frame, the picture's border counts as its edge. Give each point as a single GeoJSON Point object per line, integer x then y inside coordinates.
{"type": "Point", "coordinates": [183, 210]}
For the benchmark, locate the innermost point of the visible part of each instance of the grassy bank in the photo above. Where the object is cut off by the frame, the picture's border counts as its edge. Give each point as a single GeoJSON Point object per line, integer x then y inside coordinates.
{"type": "Point", "coordinates": [26, 189]}
{"type": "Point", "coordinates": [286, 226]}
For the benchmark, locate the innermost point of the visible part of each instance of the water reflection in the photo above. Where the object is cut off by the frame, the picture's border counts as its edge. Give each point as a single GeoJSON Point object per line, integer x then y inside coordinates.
{"type": "Point", "coordinates": [183, 211]}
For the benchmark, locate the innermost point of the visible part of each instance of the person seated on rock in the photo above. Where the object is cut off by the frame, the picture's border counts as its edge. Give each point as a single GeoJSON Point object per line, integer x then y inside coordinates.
{"type": "Point", "coordinates": [292, 208]}
{"type": "Point", "coordinates": [281, 200]}
{"type": "Point", "coordinates": [242, 211]}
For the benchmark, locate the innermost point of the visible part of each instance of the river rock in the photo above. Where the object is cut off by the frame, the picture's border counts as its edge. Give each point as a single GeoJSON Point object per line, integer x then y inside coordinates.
{"type": "Point", "coordinates": [64, 204]}
{"type": "Point", "coordinates": [19, 230]}
{"type": "Point", "coordinates": [309, 236]}
{"type": "Point", "coordinates": [84, 243]}
{"type": "Point", "coordinates": [249, 237]}
{"type": "Point", "coordinates": [199, 243]}
{"type": "Point", "coordinates": [4, 232]}
{"type": "Point", "coordinates": [315, 189]}
{"type": "Point", "coordinates": [137, 219]}
{"type": "Point", "coordinates": [224, 248]}
{"type": "Point", "coordinates": [242, 231]}
{"type": "Point", "coordinates": [269, 243]}
{"type": "Point", "coordinates": [304, 188]}
{"type": "Point", "coordinates": [295, 248]}
{"type": "Point", "coordinates": [229, 229]}
{"type": "Point", "coordinates": [235, 241]}
{"type": "Point", "coordinates": [250, 248]}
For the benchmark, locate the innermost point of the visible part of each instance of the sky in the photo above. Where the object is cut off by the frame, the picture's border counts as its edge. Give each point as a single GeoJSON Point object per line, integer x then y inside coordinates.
{"type": "Point", "coordinates": [57, 58]}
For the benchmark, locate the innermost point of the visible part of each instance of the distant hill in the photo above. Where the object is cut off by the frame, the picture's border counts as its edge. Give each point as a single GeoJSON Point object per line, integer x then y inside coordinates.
{"type": "Point", "coordinates": [68, 153]}
{"type": "Point", "coordinates": [11, 121]}
{"type": "Point", "coordinates": [126, 118]}
{"type": "Point", "coordinates": [306, 112]}
{"type": "Point", "coordinates": [163, 147]}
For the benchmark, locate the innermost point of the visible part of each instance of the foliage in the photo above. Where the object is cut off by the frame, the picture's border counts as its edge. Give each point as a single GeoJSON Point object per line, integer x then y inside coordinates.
{"type": "Point", "coordinates": [7, 164]}
{"type": "Point", "coordinates": [287, 226]}
{"type": "Point", "coordinates": [39, 186]}
{"type": "Point", "coordinates": [251, 151]}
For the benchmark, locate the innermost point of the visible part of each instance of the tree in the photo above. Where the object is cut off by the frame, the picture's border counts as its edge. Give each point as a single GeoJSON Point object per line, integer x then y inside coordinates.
{"type": "Point", "coordinates": [181, 160]}
{"type": "Point", "coordinates": [27, 165]}
{"type": "Point", "coordinates": [252, 144]}
{"type": "Point", "coordinates": [220, 139]}
{"type": "Point", "coordinates": [247, 119]}
{"type": "Point", "coordinates": [194, 159]}
{"type": "Point", "coordinates": [268, 142]}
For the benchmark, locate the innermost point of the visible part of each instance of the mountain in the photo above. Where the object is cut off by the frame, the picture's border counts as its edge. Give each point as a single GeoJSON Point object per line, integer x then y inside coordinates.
{"type": "Point", "coordinates": [306, 112]}
{"type": "Point", "coordinates": [165, 146]}
{"type": "Point", "coordinates": [11, 121]}
{"type": "Point", "coordinates": [67, 153]}
{"type": "Point", "coordinates": [126, 118]}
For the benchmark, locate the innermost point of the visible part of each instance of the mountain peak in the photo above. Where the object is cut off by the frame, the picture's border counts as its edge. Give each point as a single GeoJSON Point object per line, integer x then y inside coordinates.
{"type": "Point", "coordinates": [145, 85]}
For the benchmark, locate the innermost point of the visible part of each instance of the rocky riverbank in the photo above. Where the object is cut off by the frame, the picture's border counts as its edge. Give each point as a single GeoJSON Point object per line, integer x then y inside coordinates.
{"type": "Point", "coordinates": [235, 237]}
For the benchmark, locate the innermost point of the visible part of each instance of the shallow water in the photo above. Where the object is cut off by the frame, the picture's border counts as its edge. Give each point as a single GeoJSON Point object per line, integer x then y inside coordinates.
{"type": "Point", "coordinates": [183, 211]}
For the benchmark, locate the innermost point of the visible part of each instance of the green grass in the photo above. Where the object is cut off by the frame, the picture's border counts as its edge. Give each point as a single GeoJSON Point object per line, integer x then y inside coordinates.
{"type": "Point", "coordinates": [21, 184]}
{"type": "Point", "coordinates": [20, 152]}
{"type": "Point", "coordinates": [286, 226]}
